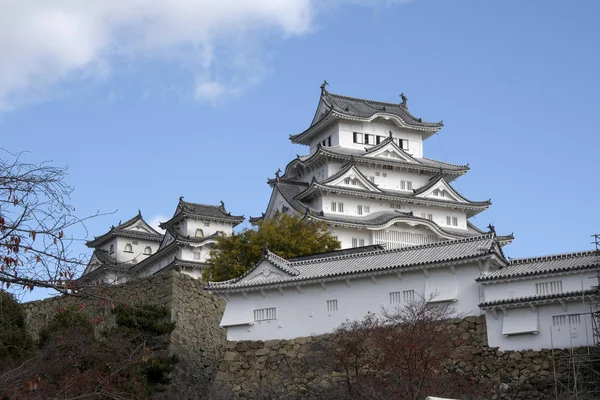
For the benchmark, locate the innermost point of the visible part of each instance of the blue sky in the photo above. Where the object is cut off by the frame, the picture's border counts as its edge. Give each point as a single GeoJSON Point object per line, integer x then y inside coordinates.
{"type": "Point", "coordinates": [146, 102]}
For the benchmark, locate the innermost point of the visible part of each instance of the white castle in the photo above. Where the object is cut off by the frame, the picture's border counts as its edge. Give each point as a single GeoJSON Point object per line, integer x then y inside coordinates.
{"type": "Point", "coordinates": [404, 230]}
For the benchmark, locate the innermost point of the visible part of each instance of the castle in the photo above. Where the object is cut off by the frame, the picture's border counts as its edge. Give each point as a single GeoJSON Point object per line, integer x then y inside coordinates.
{"type": "Point", "coordinates": [404, 230]}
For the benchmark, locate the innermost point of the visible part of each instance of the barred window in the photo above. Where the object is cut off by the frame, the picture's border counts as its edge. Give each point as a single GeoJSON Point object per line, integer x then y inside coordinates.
{"type": "Point", "coordinates": [408, 296]}
{"type": "Point", "coordinates": [570, 319]}
{"type": "Point", "coordinates": [332, 305]}
{"type": "Point", "coordinates": [395, 297]}
{"type": "Point", "coordinates": [548, 287]}
{"type": "Point", "coordinates": [264, 314]}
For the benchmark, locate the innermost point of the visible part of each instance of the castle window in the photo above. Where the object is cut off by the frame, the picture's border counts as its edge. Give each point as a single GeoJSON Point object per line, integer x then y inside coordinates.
{"type": "Point", "coordinates": [359, 210]}
{"type": "Point", "coordinates": [371, 178]}
{"type": "Point", "coordinates": [196, 255]}
{"type": "Point", "coordinates": [395, 297]}
{"type": "Point", "coordinates": [265, 314]}
{"type": "Point", "coordinates": [332, 306]}
{"type": "Point", "coordinates": [430, 217]}
{"type": "Point", "coordinates": [408, 296]}
{"type": "Point", "coordinates": [206, 223]}
{"type": "Point", "coordinates": [340, 207]}
{"type": "Point", "coordinates": [112, 249]}
{"type": "Point", "coordinates": [148, 250]}
{"type": "Point", "coordinates": [358, 137]}
{"type": "Point", "coordinates": [388, 167]}
{"type": "Point", "coordinates": [329, 141]}
{"type": "Point", "coordinates": [128, 248]}
{"type": "Point", "coordinates": [367, 209]}
{"type": "Point", "coordinates": [406, 185]}
{"type": "Point", "coordinates": [347, 181]}
{"type": "Point", "coordinates": [571, 319]}
{"type": "Point", "coordinates": [199, 233]}
{"type": "Point", "coordinates": [369, 139]}
{"type": "Point", "coordinates": [548, 287]}
{"type": "Point", "coordinates": [454, 221]}
{"type": "Point", "coordinates": [403, 144]}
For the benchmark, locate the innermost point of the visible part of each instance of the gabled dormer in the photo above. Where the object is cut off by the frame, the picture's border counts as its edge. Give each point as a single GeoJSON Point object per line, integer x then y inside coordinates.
{"type": "Point", "coordinates": [439, 189]}
{"type": "Point", "coordinates": [351, 177]}
{"type": "Point", "coordinates": [388, 149]}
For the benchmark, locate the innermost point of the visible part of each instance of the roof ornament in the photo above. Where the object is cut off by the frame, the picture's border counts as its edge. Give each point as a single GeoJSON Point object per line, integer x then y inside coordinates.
{"type": "Point", "coordinates": [324, 87]}
{"type": "Point", "coordinates": [352, 160]}
{"type": "Point", "coordinates": [390, 133]}
{"type": "Point", "coordinates": [383, 109]}
{"type": "Point", "coordinates": [404, 101]}
{"type": "Point", "coordinates": [277, 173]}
{"type": "Point", "coordinates": [180, 198]}
{"type": "Point", "coordinates": [222, 204]}
{"type": "Point", "coordinates": [266, 249]}
{"type": "Point", "coordinates": [491, 228]}
{"type": "Point", "coordinates": [306, 212]}
{"type": "Point", "coordinates": [420, 120]}
{"type": "Point", "coordinates": [139, 212]}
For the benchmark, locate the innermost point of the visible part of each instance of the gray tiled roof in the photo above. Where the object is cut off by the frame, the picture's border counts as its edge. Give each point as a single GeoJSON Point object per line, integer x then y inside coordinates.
{"type": "Point", "coordinates": [334, 265]}
{"type": "Point", "coordinates": [202, 211]}
{"type": "Point", "coordinates": [121, 230]}
{"type": "Point", "coordinates": [520, 267]}
{"type": "Point", "coordinates": [359, 156]}
{"type": "Point", "coordinates": [472, 207]}
{"type": "Point", "coordinates": [542, 298]}
{"type": "Point", "coordinates": [338, 106]}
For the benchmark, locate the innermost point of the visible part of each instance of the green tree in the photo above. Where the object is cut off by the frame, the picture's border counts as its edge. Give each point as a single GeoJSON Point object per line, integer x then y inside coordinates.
{"type": "Point", "coordinates": [287, 236]}
{"type": "Point", "coordinates": [15, 343]}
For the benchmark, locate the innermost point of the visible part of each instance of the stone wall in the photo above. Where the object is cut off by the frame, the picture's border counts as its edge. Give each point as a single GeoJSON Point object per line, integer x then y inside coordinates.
{"type": "Point", "coordinates": [302, 367]}
{"type": "Point", "coordinates": [197, 339]}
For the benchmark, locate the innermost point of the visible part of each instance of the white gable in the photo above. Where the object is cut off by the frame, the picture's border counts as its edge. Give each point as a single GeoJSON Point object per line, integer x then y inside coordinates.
{"type": "Point", "coordinates": [355, 180]}
{"type": "Point", "coordinates": [140, 227]}
{"type": "Point", "coordinates": [442, 191]}
{"type": "Point", "coordinates": [391, 151]}
{"type": "Point", "coordinates": [265, 271]}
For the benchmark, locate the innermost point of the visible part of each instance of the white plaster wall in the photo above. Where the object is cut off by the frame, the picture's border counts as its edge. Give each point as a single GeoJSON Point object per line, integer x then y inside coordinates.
{"type": "Point", "coordinates": [345, 235]}
{"type": "Point", "coordinates": [159, 264]}
{"type": "Point", "coordinates": [187, 253]}
{"type": "Point", "coordinates": [305, 313]}
{"type": "Point", "coordinates": [137, 245]}
{"type": "Point", "coordinates": [189, 226]}
{"type": "Point", "coordinates": [379, 127]}
{"type": "Point", "coordinates": [332, 130]}
{"type": "Point", "coordinates": [526, 287]}
{"type": "Point", "coordinates": [351, 202]}
{"type": "Point", "coordinates": [548, 336]}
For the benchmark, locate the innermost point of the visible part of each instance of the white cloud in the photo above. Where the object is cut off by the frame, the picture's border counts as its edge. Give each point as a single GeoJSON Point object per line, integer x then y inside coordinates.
{"type": "Point", "coordinates": [157, 219]}
{"type": "Point", "coordinates": [44, 43]}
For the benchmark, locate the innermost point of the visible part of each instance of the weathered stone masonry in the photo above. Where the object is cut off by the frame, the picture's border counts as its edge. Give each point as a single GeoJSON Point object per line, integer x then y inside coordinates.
{"type": "Point", "coordinates": [297, 368]}
{"type": "Point", "coordinates": [197, 340]}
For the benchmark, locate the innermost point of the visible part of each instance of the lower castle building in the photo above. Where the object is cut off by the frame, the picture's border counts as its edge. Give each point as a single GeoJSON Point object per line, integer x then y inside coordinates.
{"type": "Point", "coordinates": [405, 233]}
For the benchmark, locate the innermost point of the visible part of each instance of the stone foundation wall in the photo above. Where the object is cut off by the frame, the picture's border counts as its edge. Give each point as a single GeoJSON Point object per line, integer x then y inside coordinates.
{"type": "Point", "coordinates": [302, 367]}
{"type": "Point", "coordinates": [197, 339]}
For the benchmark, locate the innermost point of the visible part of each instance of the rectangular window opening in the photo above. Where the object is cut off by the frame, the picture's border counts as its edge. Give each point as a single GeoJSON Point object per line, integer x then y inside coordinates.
{"type": "Point", "coordinates": [395, 297]}
{"type": "Point", "coordinates": [408, 296]}
{"type": "Point", "coordinates": [265, 314]}
{"type": "Point", "coordinates": [332, 306]}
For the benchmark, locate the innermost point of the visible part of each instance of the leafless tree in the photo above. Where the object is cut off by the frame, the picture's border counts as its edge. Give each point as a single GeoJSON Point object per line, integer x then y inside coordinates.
{"type": "Point", "coordinates": [36, 220]}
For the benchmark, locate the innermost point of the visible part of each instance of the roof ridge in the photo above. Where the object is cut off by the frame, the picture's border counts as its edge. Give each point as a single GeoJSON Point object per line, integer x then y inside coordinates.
{"type": "Point", "coordinates": [401, 249]}
{"type": "Point", "coordinates": [552, 257]}
{"type": "Point", "coordinates": [444, 162]}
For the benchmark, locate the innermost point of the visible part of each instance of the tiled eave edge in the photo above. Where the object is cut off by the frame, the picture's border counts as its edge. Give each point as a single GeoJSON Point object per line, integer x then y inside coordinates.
{"type": "Point", "coordinates": [349, 224]}
{"type": "Point", "coordinates": [102, 268]}
{"type": "Point", "coordinates": [450, 173]}
{"type": "Point", "coordinates": [538, 300]}
{"type": "Point", "coordinates": [160, 254]}
{"type": "Point", "coordinates": [177, 263]}
{"type": "Point", "coordinates": [236, 220]}
{"type": "Point", "coordinates": [474, 208]}
{"type": "Point", "coordinates": [351, 275]}
{"type": "Point", "coordinates": [486, 280]}
{"type": "Point", "coordinates": [123, 233]}
{"type": "Point", "coordinates": [302, 138]}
